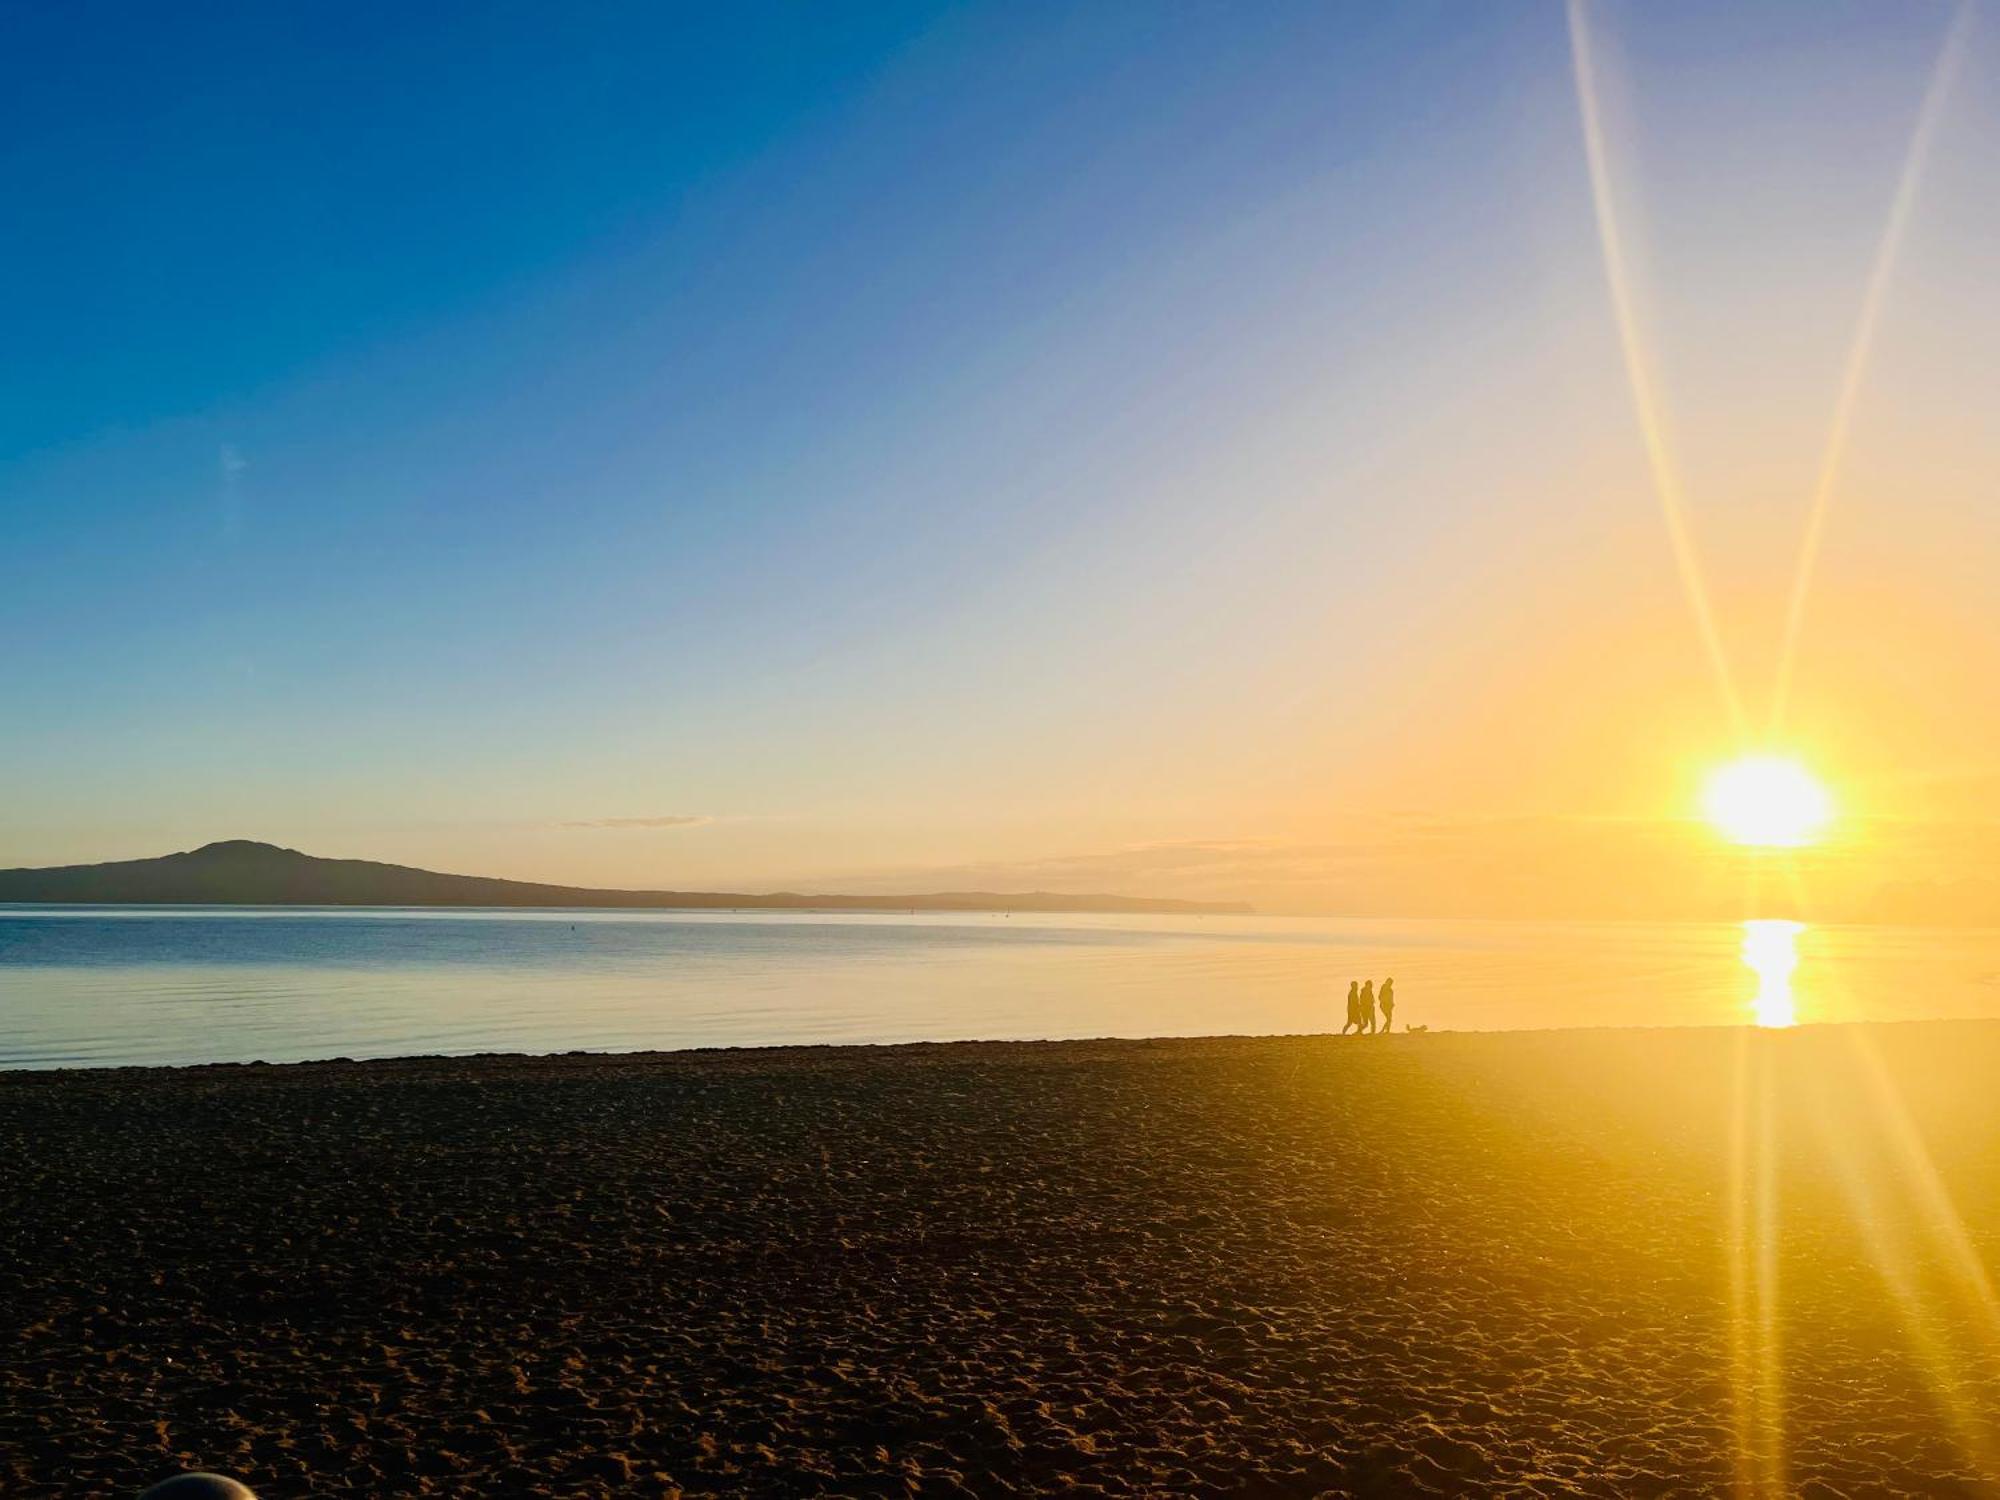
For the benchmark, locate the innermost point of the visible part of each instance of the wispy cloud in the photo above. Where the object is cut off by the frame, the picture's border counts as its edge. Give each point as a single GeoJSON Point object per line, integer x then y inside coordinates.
{"type": "Point", "coordinates": [671, 820]}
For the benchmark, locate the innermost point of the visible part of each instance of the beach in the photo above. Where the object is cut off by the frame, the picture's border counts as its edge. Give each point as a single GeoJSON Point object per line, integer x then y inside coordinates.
{"type": "Point", "coordinates": [1637, 1262]}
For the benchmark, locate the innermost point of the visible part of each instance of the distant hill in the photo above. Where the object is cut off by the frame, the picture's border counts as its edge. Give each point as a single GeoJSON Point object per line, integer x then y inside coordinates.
{"type": "Point", "coordinates": [240, 872]}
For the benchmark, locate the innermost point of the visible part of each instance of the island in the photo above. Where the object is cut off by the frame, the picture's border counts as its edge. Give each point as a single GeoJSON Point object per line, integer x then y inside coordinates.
{"type": "Point", "coordinates": [244, 872]}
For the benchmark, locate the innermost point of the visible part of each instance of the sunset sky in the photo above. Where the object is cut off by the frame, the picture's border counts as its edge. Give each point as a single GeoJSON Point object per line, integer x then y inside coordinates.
{"type": "Point", "coordinates": [1167, 449]}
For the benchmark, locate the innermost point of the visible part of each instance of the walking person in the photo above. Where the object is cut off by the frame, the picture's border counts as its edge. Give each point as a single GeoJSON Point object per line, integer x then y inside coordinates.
{"type": "Point", "coordinates": [1367, 1005]}
{"type": "Point", "coordinates": [1353, 1007]}
{"type": "Point", "coordinates": [1387, 1000]}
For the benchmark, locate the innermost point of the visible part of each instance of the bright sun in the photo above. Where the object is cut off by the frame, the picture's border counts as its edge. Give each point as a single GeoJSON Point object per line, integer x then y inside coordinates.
{"type": "Point", "coordinates": [1767, 800]}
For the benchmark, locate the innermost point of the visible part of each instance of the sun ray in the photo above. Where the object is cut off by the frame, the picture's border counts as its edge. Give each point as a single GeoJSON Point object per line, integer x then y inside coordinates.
{"type": "Point", "coordinates": [1974, 1281]}
{"type": "Point", "coordinates": [1927, 1326]}
{"type": "Point", "coordinates": [1646, 402]}
{"type": "Point", "coordinates": [1770, 1349]}
{"type": "Point", "coordinates": [1940, 1216]}
{"type": "Point", "coordinates": [1892, 1132]}
{"type": "Point", "coordinates": [1756, 1364]}
{"type": "Point", "coordinates": [1860, 348]}
{"type": "Point", "coordinates": [1742, 1346]}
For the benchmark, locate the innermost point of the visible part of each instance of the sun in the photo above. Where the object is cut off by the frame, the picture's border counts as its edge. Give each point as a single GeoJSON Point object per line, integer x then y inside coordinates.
{"type": "Point", "coordinates": [1767, 801]}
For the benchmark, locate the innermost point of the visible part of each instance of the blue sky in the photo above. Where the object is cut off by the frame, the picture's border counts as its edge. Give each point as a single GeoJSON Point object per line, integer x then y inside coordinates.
{"type": "Point", "coordinates": [895, 435]}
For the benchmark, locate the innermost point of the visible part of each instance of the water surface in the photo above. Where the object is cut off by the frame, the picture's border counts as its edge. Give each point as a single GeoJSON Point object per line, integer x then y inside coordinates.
{"type": "Point", "coordinates": [97, 985]}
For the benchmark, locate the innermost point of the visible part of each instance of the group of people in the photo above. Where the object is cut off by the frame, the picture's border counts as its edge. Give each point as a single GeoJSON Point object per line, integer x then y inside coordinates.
{"type": "Point", "coordinates": [1363, 1004]}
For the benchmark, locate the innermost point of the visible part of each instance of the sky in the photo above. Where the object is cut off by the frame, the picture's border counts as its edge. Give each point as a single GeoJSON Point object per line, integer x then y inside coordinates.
{"type": "Point", "coordinates": [1179, 450]}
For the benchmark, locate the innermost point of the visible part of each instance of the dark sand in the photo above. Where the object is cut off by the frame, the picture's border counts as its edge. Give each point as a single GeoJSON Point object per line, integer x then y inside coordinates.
{"type": "Point", "coordinates": [1426, 1264]}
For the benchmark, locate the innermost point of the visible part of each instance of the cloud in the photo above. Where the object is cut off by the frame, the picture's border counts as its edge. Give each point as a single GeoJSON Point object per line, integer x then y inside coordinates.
{"type": "Point", "coordinates": [671, 820]}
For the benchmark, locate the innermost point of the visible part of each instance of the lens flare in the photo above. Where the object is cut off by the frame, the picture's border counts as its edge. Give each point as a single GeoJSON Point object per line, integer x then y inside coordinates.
{"type": "Point", "coordinates": [1767, 801]}
{"type": "Point", "coordinates": [1647, 402]}
{"type": "Point", "coordinates": [1950, 50]}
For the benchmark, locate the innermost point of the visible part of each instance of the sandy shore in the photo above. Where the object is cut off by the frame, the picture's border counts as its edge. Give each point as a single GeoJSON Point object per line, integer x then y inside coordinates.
{"type": "Point", "coordinates": [1598, 1263]}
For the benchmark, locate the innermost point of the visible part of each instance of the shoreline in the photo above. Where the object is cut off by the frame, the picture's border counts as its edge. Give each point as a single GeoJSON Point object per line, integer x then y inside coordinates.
{"type": "Point", "coordinates": [886, 1050]}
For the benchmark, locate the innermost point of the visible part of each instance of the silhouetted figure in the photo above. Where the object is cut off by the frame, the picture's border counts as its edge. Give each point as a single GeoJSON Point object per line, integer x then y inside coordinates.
{"type": "Point", "coordinates": [1387, 1000]}
{"type": "Point", "coordinates": [1367, 1005]}
{"type": "Point", "coordinates": [1353, 1007]}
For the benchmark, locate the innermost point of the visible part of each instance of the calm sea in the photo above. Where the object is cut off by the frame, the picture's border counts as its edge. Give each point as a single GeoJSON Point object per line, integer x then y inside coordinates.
{"type": "Point", "coordinates": [100, 986]}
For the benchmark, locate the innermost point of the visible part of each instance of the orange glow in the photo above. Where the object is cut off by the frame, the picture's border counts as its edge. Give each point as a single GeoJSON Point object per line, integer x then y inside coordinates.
{"type": "Point", "coordinates": [1767, 801]}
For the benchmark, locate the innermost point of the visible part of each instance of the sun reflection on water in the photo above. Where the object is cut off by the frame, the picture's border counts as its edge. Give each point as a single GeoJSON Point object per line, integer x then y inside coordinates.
{"type": "Point", "coordinates": [1771, 952]}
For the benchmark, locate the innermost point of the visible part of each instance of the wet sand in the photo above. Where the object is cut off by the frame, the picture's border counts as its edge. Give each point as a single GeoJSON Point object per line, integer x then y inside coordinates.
{"type": "Point", "coordinates": [1607, 1263]}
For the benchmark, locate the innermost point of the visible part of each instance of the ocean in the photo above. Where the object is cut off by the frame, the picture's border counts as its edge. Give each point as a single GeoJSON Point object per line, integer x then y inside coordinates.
{"type": "Point", "coordinates": [98, 986]}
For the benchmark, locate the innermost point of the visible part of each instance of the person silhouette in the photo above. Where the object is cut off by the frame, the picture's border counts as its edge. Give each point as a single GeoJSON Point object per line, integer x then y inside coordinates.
{"type": "Point", "coordinates": [1387, 1000]}
{"type": "Point", "coordinates": [1353, 1006]}
{"type": "Point", "coordinates": [1367, 1005]}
